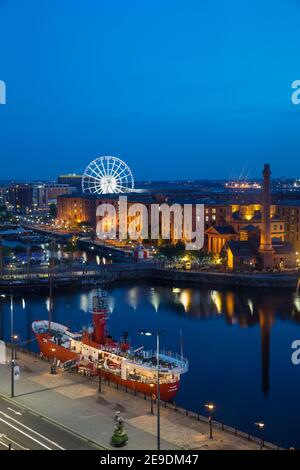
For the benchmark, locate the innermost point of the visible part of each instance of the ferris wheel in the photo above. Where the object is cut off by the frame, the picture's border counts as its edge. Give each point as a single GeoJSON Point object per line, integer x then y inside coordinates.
{"type": "Point", "coordinates": [106, 175]}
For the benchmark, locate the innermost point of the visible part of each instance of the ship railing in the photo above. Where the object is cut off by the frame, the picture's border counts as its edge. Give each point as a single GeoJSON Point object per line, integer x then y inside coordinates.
{"type": "Point", "coordinates": [171, 405]}
{"type": "Point", "coordinates": [169, 355]}
{"type": "Point", "coordinates": [162, 380]}
{"type": "Point", "coordinates": [176, 364]}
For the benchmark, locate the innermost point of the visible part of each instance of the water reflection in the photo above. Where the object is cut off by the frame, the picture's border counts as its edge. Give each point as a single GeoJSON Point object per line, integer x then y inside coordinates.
{"type": "Point", "coordinates": [237, 308]}
{"type": "Point", "coordinates": [211, 321]}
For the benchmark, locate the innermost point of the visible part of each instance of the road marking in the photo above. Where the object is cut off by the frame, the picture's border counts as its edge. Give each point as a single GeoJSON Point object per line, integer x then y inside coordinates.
{"type": "Point", "coordinates": [25, 434]}
{"type": "Point", "coordinates": [14, 411]}
{"type": "Point", "coordinates": [11, 441]}
{"type": "Point", "coordinates": [4, 445]}
{"type": "Point", "coordinates": [33, 431]}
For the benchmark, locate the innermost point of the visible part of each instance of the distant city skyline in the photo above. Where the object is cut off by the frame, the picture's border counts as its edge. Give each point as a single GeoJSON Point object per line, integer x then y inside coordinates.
{"type": "Point", "coordinates": [178, 90]}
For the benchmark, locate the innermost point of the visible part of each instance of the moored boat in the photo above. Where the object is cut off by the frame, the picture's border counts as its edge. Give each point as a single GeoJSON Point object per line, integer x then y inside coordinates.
{"type": "Point", "coordinates": [94, 350]}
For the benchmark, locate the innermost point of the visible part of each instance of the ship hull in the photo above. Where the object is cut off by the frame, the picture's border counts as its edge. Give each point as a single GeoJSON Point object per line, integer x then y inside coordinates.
{"type": "Point", "coordinates": [46, 346]}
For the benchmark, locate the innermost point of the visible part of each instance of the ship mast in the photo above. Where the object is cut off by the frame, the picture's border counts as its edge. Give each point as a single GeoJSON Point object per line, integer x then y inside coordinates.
{"type": "Point", "coordinates": [51, 273]}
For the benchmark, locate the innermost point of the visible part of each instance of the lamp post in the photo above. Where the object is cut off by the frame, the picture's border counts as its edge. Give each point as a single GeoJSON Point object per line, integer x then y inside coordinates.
{"type": "Point", "coordinates": [210, 407]}
{"type": "Point", "coordinates": [157, 334]}
{"type": "Point", "coordinates": [152, 398]}
{"type": "Point", "coordinates": [14, 343]}
{"type": "Point", "coordinates": [53, 366]}
{"type": "Point", "coordinates": [100, 379]}
{"type": "Point", "coordinates": [12, 394]}
{"type": "Point", "coordinates": [260, 425]}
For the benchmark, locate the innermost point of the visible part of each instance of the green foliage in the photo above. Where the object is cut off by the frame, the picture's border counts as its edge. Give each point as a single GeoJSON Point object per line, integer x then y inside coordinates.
{"type": "Point", "coordinates": [172, 250]}
{"type": "Point", "coordinates": [71, 247]}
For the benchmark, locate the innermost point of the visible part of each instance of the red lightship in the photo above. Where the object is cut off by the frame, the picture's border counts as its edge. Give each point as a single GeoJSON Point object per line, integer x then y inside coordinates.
{"type": "Point", "coordinates": [96, 352]}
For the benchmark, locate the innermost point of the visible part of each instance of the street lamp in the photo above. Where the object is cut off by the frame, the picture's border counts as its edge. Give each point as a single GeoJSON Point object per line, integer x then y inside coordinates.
{"type": "Point", "coordinates": [152, 398]}
{"type": "Point", "coordinates": [53, 366]}
{"type": "Point", "coordinates": [12, 343]}
{"type": "Point", "coordinates": [210, 407]}
{"type": "Point", "coordinates": [157, 334]}
{"type": "Point", "coordinates": [260, 425]}
{"type": "Point", "coordinates": [100, 378]}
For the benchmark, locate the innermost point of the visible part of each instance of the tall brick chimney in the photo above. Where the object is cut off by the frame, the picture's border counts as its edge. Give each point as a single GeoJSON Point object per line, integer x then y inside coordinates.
{"type": "Point", "coordinates": [266, 250]}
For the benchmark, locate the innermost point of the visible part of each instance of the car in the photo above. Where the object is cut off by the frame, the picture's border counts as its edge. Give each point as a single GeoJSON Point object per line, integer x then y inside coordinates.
{"type": "Point", "coordinates": [44, 264]}
{"type": "Point", "coordinates": [187, 265]}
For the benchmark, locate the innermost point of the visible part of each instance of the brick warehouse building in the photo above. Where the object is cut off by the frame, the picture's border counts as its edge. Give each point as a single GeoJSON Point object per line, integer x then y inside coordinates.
{"type": "Point", "coordinates": [289, 210]}
{"type": "Point", "coordinates": [78, 208]}
{"type": "Point", "coordinates": [244, 219]}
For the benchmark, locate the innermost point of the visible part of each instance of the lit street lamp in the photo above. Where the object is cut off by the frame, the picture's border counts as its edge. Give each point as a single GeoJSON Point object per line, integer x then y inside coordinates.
{"type": "Point", "coordinates": [53, 366]}
{"type": "Point", "coordinates": [152, 398]}
{"type": "Point", "coordinates": [260, 425]}
{"type": "Point", "coordinates": [157, 334]}
{"type": "Point", "coordinates": [14, 342]}
{"type": "Point", "coordinates": [100, 378]}
{"type": "Point", "coordinates": [210, 407]}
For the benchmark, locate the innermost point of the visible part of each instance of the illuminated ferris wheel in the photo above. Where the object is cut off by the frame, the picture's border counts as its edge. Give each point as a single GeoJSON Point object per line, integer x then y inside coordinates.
{"type": "Point", "coordinates": [106, 175]}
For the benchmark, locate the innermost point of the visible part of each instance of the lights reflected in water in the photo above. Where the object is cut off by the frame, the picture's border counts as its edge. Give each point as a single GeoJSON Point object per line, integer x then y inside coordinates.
{"type": "Point", "coordinates": [84, 302]}
{"type": "Point", "coordinates": [132, 297]}
{"type": "Point", "coordinates": [251, 307]}
{"type": "Point", "coordinates": [217, 300]}
{"type": "Point", "coordinates": [155, 298]}
{"type": "Point", "coordinates": [297, 303]}
{"type": "Point", "coordinates": [185, 299]}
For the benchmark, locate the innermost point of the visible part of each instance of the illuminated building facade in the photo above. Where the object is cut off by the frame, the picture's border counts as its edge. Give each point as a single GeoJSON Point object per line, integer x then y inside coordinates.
{"type": "Point", "coordinates": [261, 244]}
{"type": "Point", "coordinates": [20, 196]}
{"type": "Point", "coordinates": [46, 194]}
{"type": "Point", "coordinates": [290, 211]}
{"type": "Point", "coordinates": [73, 180]}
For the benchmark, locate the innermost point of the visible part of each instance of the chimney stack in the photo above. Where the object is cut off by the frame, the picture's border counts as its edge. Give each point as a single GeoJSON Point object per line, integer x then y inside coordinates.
{"type": "Point", "coordinates": [266, 250]}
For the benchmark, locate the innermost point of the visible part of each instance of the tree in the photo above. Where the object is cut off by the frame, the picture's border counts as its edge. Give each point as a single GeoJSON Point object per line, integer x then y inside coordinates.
{"type": "Point", "coordinates": [172, 250]}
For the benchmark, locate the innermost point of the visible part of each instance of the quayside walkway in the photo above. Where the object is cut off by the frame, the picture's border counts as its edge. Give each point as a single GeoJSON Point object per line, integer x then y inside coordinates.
{"type": "Point", "coordinates": [73, 402]}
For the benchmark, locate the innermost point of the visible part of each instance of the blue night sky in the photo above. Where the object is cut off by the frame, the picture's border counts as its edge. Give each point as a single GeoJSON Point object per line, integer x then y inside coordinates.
{"type": "Point", "coordinates": [178, 89]}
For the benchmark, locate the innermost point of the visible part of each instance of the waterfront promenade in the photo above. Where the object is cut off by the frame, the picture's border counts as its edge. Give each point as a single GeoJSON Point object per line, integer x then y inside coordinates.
{"type": "Point", "coordinates": [73, 402]}
{"type": "Point", "coordinates": [146, 270]}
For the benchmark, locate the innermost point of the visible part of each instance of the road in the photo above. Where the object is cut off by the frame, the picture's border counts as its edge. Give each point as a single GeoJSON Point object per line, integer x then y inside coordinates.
{"type": "Point", "coordinates": [20, 429]}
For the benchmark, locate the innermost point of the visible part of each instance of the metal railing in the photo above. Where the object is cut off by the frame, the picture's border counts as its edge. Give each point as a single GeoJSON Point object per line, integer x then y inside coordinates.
{"type": "Point", "coordinates": [196, 417]}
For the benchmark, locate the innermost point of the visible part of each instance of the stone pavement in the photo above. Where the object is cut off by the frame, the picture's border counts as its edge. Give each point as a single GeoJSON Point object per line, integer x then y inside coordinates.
{"type": "Point", "coordinates": [74, 402]}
